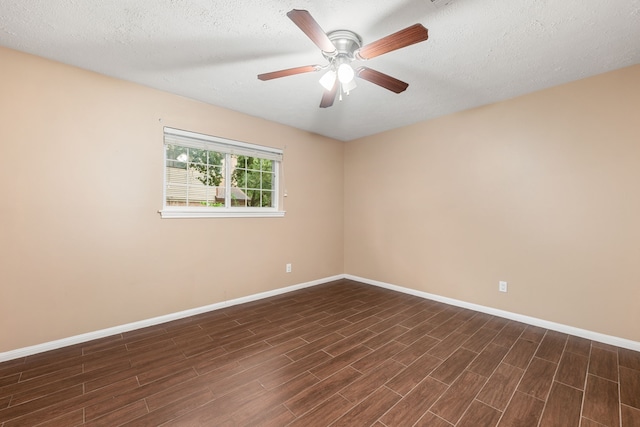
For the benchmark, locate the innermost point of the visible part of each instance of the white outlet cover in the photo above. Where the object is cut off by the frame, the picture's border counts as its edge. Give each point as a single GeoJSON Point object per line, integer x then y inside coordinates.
{"type": "Point", "coordinates": [502, 286]}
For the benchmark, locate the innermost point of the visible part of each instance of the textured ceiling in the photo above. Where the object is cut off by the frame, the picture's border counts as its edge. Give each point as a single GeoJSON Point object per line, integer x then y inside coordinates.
{"type": "Point", "coordinates": [478, 52]}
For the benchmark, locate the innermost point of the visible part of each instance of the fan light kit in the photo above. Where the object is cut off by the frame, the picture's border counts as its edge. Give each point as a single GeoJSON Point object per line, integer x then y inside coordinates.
{"type": "Point", "coordinates": [340, 48]}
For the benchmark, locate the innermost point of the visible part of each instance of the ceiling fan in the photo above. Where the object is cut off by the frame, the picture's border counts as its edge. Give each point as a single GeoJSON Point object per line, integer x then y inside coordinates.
{"type": "Point", "coordinates": [341, 48]}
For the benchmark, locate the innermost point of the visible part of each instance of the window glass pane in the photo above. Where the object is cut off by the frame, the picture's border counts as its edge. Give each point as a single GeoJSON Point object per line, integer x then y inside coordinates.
{"type": "Point", "coordinates": [239, 197]}
{"type": "Point", "coordinates": [267, 199]}
{"type": "Point", "coordinates": [207, 166]}
{"type": "Point", "coordinates": [266, 165]}
{"type": "Point", "coordinates": [177, 156]}
{"type": "Point", "coordinates": [193, 177]}
{"type": "Point", "coordinates": [252, 176]}
{"type": "Point", "coordinates": [240, 178]}
{"type": "Point", "coordinates": [197, 156]}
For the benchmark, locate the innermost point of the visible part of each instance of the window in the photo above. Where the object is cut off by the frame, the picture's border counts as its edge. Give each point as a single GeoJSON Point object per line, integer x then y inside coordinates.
{"type": "Point", "coordinates": [207, 176]}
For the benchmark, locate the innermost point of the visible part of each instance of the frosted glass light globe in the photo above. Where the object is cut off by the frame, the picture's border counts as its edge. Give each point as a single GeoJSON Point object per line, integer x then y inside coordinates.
{"type": "Point", "coordinates": [345, 73]}
{"type": "Point", "coordinates": [328, 80]}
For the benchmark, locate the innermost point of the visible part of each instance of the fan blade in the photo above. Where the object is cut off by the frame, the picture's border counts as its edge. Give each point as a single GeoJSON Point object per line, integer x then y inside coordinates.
{"type": "Point", "coordinates": [403, 38]}
{"type": "Point", "coordinates": [381, 79]}
{"type": "Point", "coordinates": [288, 72]}
{"type": "Point", "coordinates": [312, 29]}
{"type": "Point", "coordinates": [329, 96]}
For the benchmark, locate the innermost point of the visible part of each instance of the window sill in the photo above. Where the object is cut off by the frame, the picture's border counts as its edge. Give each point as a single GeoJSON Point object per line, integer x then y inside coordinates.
{"type": "Point", "coordinates": [220, 213]}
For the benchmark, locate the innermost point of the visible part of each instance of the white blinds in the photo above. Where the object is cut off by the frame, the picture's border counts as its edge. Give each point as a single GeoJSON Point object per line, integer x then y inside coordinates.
{"type": "Point", "coordinates": [206, 142]}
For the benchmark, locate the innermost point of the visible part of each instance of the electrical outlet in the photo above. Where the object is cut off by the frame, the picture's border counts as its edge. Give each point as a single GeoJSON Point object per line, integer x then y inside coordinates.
{"type": "Point", "coordinates": [502, 286]}
{"type": "Point", "coordinates": [288, 268]}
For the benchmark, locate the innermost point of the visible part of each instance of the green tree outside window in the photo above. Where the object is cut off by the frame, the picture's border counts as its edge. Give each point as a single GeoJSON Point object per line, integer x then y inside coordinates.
{"type": "Point", "coordinates": [254, 177]}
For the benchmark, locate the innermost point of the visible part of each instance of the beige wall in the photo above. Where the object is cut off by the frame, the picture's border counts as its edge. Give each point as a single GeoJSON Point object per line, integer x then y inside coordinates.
{"type": "Point", "coordinates": [542, 191]}
{"type": "Point", "coordinates": [82, 245]}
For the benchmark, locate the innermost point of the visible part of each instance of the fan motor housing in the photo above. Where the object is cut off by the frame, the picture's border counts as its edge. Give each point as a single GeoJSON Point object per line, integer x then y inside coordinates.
{"type": "Point", "coordinates": [346, 43]}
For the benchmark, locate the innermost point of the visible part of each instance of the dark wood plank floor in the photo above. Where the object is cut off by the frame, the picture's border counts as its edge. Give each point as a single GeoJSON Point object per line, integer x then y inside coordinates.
{"type": "Point", "coordinates": [339, 354]}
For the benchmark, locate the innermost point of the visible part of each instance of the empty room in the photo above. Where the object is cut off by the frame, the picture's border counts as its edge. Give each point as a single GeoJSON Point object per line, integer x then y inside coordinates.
{"type": "Point", "coordinates": [360, 213]}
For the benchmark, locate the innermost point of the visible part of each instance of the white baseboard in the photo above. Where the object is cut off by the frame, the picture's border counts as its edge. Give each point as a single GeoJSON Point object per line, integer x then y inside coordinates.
{"type": "Point", "coordinates": [583, 333]}
{"type": "Point", "coordinates": [78, 339]}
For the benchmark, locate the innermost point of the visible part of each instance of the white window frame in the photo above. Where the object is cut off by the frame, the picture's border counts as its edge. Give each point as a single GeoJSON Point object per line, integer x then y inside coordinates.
{"type": "Point", "coordinates": [228, 147]}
